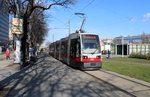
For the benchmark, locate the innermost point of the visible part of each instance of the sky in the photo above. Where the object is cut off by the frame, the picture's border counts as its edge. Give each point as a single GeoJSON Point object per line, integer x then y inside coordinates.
{"type": "Point", "coordinates": [106, 18]}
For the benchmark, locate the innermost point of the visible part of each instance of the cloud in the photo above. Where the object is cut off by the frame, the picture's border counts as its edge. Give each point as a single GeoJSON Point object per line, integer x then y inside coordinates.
{"type": "Point", "coordinates": [146, 17]}
{"type": "Point", "coordinates": [133, 19]}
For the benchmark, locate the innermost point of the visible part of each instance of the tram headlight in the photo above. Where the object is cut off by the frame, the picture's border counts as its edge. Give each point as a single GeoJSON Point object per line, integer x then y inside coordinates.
{"type": "Point", "coordinates": [98, 57]}
{"type": "Point", "coordinates": [84, 57]}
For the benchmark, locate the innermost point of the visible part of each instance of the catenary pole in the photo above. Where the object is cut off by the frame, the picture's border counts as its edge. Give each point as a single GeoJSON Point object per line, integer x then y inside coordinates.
{"type": "Point", "coordinates": [69, 27]}
{"type": "Point", "coordinates": [122, 46]}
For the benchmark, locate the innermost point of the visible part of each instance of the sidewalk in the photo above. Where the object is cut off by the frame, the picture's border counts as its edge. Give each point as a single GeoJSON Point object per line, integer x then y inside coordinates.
{"type": "Point", "coordinates": [2, 56]}
{"type": "Point", "coordinates": [51, 78]}
{"type": "Point", "coordinates": [7, 67]}
{"type": "Point", "coordinates": [41, 73]}
{"type": "Point", "coordinates": [4, 62]}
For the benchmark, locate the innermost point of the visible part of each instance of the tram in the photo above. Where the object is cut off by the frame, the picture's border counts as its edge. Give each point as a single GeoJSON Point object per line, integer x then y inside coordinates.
{"type": "Point", "coordinates": [81, 50]}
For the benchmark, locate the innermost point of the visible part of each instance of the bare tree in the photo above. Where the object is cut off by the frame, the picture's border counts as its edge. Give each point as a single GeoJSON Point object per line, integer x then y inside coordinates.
{"type": "Point", "coordinates": [38, 28]}
{"type": "Point", "coordinates": [27, 7]}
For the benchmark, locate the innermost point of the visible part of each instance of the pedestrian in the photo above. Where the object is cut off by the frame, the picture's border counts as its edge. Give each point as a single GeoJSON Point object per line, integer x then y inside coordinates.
{"type": "Point", "coordinates": [108, 54]}
{"type": "Point", "coordinates": [7, 53]}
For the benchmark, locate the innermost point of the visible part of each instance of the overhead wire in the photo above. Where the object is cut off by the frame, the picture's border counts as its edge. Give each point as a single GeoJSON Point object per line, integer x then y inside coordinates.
{"type": "Point", "coordinates": [129, 19]}
{"type": "Point", "coordinates": [87, 5]}
{"type": "Point", "coordinates": [72, 15]}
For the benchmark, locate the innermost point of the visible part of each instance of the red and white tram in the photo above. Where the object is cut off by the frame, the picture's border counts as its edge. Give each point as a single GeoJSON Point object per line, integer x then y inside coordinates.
{"type": "Point", "coordinates": [78, 50]}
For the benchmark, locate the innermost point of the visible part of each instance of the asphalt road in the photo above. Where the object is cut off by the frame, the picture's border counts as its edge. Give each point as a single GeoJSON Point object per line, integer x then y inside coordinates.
{"type": "Point", "coordinates": [51, 78]}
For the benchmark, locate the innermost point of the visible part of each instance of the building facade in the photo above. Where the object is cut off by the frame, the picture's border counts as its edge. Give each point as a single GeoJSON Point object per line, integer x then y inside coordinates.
{"type": "Point", "coordinates": [107, 45]}
{"type": "Point", "coordinates": [132, 44]}
{"type": "Point", "coordinates": [4, 29]}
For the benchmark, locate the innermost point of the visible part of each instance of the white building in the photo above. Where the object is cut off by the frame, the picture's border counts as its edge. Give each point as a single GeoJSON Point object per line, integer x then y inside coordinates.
{"type": "Point", "coordinates": [108, 45]}
{"type": "Point", "coordinates": [132, 44]}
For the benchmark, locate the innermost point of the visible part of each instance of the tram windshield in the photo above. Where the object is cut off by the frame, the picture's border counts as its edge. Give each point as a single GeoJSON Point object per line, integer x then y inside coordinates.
{"type": "Point", "coordinates": [90, 44]}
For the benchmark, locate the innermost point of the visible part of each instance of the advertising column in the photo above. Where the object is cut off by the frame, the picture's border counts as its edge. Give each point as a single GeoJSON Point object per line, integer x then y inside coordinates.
{"type": "Point", "coordinates": [17, 30]}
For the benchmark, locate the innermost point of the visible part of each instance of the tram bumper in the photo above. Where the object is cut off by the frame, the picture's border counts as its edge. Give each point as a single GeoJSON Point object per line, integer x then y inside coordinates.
{"type": "Point", "coordinates": [91, 65]}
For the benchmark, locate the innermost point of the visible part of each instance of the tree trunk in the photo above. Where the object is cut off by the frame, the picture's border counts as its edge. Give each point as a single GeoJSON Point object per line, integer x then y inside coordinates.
{"type": "Point", "coordinates": [24, 39]}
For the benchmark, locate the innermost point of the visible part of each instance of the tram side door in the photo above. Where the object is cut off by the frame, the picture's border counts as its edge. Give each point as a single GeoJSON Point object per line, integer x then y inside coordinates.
{"type": "Point", "coordinates": [74, 51]}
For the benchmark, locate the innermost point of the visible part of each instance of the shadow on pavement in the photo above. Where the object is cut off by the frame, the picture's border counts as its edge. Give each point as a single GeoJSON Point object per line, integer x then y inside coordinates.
{"type": "Point", "coordinates": [50, 78]}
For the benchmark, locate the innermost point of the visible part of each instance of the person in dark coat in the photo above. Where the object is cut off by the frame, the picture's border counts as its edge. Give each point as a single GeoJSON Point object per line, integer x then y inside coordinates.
{"type": "Point", "coordinates": [108, 54]}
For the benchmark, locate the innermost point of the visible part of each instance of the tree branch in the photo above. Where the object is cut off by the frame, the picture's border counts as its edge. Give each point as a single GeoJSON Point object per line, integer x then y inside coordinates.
{"type": "Point", "coordinates": [45, 8]}
{"type": "Point", "coordinates": [23, 2]}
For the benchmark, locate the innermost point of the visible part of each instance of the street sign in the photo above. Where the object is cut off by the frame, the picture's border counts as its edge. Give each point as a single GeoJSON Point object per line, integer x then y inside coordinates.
{"type": "Point", "coordinates": [17, 24]}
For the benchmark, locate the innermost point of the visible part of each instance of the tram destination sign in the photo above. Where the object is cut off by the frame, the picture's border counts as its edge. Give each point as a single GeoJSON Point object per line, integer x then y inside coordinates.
{"type": "Point", "coordinates": [89, 37]}
{"type": "Point", "coordinates": [17, 24]}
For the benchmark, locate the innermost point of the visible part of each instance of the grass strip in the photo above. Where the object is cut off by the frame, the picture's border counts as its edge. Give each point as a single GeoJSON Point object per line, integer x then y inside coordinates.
{"type": "Point", "coordinates": [130, 59]}
{"type": "Point", "coordinates": [138, 71]}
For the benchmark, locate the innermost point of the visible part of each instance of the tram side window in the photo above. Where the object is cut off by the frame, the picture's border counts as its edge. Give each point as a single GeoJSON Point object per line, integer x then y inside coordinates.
{"type": "Point", "coordinates": [57, 47]}
{"type": "Point", "coordinates": [75, 48]}
{"type": "Point", "coordinates": [64, 48]}
{"type": "Point", "coordinates": [52, 48]}
{"type": "Point", "coordinates": [78, 49]}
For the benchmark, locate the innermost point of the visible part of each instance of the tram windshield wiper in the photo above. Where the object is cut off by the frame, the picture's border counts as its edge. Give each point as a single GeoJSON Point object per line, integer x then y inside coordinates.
{"type": "Point", "coordinates": [94, 52]}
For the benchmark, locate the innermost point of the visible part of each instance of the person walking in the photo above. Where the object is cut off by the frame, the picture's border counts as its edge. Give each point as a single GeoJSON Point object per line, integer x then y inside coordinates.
{"type": "Point", "coordinates": [7, 53]}
{"type": "Point", "coordinates": [108, 54]}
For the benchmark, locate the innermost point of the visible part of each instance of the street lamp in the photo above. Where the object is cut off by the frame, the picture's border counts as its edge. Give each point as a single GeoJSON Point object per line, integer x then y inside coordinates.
{"type": "Point", "coordinates": [82, 15]}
